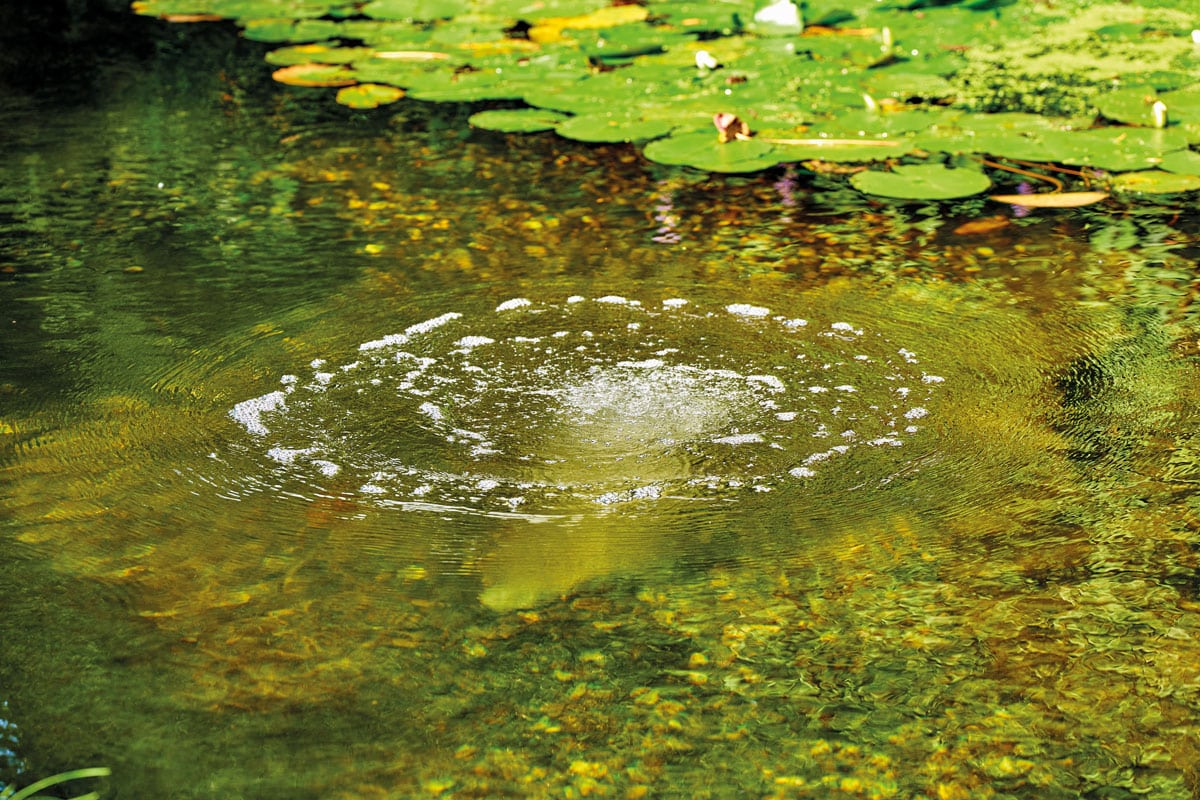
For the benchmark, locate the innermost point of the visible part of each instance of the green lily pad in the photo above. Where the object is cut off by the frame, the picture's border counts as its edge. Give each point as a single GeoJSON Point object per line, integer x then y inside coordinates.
{"type": "Point", "coordinates": [607, 126]}
{"type": "Point", "coordinates": [702, 150]}
{"type": "Point", "coordinates": [847, 150]}
{"type": "Point", "coordinates": [1132, 106]}
{"type": "Point", "coordinates": [416, 9]}
{"type": "Point", "coordinates": [922, 182]}
{"type": "Point", "coordinates": [1116, 149]}
{"type": "Point", "coordinates": [1155, 181]}
{"type": "Point", "coordinates": [288, 30]}
{"type": "Point", "coordinates": [1183, 104]}
{"type": "Point", "coordinates": [322, 53]}
{"type": "Point", "coordinates": [517, 120]}
{"type": "Point", "coordinates": [368, 95]}
{"type": "Point", "coordinates": [315, 74]}
{"type": "Point", "coordinates": [1181, 162]}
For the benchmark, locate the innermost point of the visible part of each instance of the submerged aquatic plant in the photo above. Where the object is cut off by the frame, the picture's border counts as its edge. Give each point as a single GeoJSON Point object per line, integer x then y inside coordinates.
{"type": "Point", "coordinates": [30, 792]}
{"type": "Point", "coordinates": [910, 86]}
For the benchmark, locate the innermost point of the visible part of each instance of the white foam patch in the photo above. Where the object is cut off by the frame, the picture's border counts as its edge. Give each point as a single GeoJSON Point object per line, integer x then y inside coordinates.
{"type": "Point", "coordinates": [674, 302]}
{"type": "Point", "coordinates": [516, 302]}
{"type": "Point", "coordinates": [249, 412]}
{"type": "Point", "coordinates": [801, 472]}
{"type": "Point", "coordinates": [932, 379]}
{"type": "Point", "coordinates": [327, 468]}
{"type": "Point", "coordinates": [614, 299]}
{"type": "Point", "coordinates": [391, 340]}
{"type": "Point", "coordinates": [430, 324]}
{"type": "Point", "coordinates": [287, 455]}
{"type": "Point", "coordinates": [474, 341]}
{"type": "Point", "coordinates": [916, 413]}
{"type": "Point", "coordinates": [740, 438]}
{"type": "Point", "coordinates": [747, 310]}
{"type": "Point", "coordinates": [650, 363]}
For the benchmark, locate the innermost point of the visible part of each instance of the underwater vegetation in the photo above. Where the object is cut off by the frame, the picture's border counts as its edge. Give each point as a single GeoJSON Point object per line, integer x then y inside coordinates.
{"type": "Point", "coordinates": [912, 99]}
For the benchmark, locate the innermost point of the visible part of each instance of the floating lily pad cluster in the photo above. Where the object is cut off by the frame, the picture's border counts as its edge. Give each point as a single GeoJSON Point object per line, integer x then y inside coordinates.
{"type": "Point", "coordinates": [932, 93]}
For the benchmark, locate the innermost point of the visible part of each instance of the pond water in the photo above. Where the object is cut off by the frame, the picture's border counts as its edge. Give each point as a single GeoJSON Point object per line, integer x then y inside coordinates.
{"type": "Point", "coordinates": [358, 455]}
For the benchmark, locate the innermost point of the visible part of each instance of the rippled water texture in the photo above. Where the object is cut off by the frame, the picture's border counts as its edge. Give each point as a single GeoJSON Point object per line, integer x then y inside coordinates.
{"type": "Point", "coordinates": [603, 399]}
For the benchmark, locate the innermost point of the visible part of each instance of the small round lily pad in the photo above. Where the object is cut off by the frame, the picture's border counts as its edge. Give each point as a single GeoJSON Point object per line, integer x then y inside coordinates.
{"type": "Point", "coordinates": [368, 95]}
{"type": "Point", "coordinates": [922, 182]}
{"type": "Point", "coordinates": [702, 150]}
{"type": "Point", "coordinates": [315, 75]}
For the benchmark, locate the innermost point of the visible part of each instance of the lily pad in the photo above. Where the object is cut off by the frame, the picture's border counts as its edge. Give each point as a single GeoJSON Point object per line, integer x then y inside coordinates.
{"type": "Point", "coordinates": [702, 150]}
{"type": "Point", "coordinates": [1155, 181]}
{"type": "Point", "coordinates": [607, 126]}
{"type": "Point", "coordinates": [1133, 106]}
{"type": "Point", "coordinates": [319, 53]}
{"type": "Point", "coordinates": [368, 95]}
{"type": "Point", "coordinates": [416, 9]}
{"type": "Point", "coordinates": [517, 120]}
{"type": "Point", "coordinates": [1182, 162]}
{"type": "Point", "coordinates": [922, 182]}
{"type": "Point", "coordinates": [1051, 199]}
{"type": "Point", "coordinates": [315, 74]}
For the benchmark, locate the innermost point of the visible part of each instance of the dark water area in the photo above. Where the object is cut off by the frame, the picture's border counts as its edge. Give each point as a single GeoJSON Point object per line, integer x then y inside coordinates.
{"type": "Point", "coordinates": [359, 454]}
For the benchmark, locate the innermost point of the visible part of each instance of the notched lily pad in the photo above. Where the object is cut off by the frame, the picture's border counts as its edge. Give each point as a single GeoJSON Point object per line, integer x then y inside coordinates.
{"type": "Point", "coordinates": [702, 150]}
{"type": "Point", "coordinates": [368, 95]}
{"type": "Point", "coordinates": [922, 182]}
{"type": "Point", "coordinates": [517, 120]}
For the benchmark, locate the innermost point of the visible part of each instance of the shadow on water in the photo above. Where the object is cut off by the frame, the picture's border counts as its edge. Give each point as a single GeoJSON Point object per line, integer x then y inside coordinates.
{"type": "Point", "coordinates": [362, 458]}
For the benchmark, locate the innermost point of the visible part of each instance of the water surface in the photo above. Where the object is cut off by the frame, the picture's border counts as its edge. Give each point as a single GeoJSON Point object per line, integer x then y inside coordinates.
{"type": "Point", "coordinates": [359, 455]}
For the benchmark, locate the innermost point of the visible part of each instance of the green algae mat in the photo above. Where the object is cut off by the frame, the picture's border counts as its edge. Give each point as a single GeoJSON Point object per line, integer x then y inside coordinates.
{"type": "Point", "coordinates": [918, 100]}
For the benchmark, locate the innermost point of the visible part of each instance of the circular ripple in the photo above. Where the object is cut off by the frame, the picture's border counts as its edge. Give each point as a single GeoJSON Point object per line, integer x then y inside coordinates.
{"type": "Point", "coordinates": [535, 406]}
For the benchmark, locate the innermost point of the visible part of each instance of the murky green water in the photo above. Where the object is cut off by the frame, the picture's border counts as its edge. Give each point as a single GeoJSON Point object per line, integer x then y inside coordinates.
{"type": "Point", "coordinates": [355, 456]}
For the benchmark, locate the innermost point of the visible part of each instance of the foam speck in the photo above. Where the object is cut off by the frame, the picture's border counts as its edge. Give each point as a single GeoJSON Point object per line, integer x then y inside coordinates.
{"type": "Point", "coordinates": [747, 310]}
{"type": "Point", "coordinates": [391, 340]}
{"type": "Point", "coordinates": [516, 302]}
{"type": "Point", "coordinates": [740, 438]}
